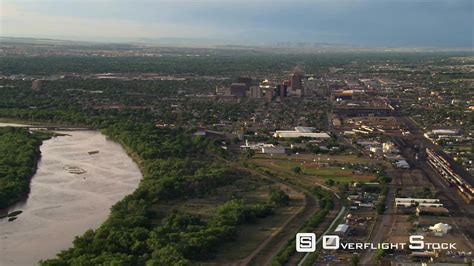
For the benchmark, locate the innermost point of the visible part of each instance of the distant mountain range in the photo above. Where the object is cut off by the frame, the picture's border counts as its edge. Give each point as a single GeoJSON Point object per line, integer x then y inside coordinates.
{"type": "Point", "coordinates": [220, 43]}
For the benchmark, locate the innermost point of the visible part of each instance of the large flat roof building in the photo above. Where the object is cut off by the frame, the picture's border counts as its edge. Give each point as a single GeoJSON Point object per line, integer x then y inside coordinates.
{"type": "Point", "coordinates": [301, 132]}
{"type": "Point", "coordinates": [273, 150]}
{"type": "Point", "coordinates": [246, 80]}
{"type": "Point", "coordinates": [238, 89]}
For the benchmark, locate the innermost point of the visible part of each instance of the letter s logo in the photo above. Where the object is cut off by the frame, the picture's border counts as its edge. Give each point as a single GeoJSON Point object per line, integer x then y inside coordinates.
{"type": "Point", "coordinates": [305, 242]}
{"type": "Point", "coordinates": [416, 242]}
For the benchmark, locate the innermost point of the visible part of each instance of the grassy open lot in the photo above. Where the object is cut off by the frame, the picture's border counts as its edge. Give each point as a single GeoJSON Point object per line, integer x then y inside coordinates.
{"type": "Point", "coordinates": [463, 148]}
{"type": "Point", "coordinates": [313, 171]}
{"type": "Point", "coordinates": [322, 158]}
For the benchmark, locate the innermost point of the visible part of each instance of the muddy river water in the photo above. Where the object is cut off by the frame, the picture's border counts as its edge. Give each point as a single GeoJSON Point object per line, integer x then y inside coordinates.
{"type": "Point", "coordinates": [63, 204]}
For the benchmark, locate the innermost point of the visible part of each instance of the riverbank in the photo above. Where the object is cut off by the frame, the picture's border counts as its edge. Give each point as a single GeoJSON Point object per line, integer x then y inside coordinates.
{"type": "Point", "coordinates": [15, 122]}
{"type": "Point", "coordinates": [19, 156]}
{"type": "Point", "coordinates": [62, 205]}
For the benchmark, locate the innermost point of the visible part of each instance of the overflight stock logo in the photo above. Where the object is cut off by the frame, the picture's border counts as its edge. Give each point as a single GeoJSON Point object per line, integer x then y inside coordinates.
{"type": "Point", "coordinates": [306, 242]}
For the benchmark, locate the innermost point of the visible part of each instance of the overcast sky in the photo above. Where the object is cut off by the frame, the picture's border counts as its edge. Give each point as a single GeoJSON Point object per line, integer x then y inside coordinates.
{"type": "Point", "coordinates": [401, 23]}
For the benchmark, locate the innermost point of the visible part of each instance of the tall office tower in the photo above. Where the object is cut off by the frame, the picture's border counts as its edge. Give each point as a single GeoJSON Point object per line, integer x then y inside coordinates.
{"type": "Point", "coordinates": [269, 93]}
{"type": "Point", "coordinates": [310, 87]}
{"type": "Point", "coordinates": [255, 92]}
{"type": "Point", "coordinates": [282, 91]}
{"type": "Point", "coordinates": [296, 81]}
{"type": "Point", "coordinates": [266, 89]}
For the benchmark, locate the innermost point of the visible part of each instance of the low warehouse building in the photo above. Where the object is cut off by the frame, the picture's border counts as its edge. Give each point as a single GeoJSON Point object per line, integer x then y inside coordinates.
{"type": "Point", "coordinates": [341, 229]}
{"type": "Point", "coordinates": [273, 150]}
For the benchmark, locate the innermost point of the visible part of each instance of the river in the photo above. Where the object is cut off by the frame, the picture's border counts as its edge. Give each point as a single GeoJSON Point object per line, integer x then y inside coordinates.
{"type": "Point", "coordinates": [62, 205]}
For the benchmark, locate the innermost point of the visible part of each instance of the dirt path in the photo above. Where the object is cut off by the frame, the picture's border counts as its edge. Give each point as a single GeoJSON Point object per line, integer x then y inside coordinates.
{"type": "Point", "coordinates": [272, 245]}
{"type": "Point", "coordinates": [382, 226]}
{"type": "Point", "coordinates": [321, 228]}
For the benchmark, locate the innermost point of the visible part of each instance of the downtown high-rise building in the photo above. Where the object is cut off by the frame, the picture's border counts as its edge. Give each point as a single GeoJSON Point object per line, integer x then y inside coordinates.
{"type": "Point", "coordinates": [295, 81]}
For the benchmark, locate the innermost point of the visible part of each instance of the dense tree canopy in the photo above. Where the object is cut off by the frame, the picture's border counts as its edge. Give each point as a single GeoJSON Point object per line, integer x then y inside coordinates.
{"type": "Point", "coordinates": [19, 154]}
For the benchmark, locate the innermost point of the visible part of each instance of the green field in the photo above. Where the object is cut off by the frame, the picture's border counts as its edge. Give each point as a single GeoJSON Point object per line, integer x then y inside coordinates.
{"type": "Point", "coordinates": [465, 148]}
{"type": "Point", "coordinates": [310, 169]}
{"type": "Point", "coordinates": [321, 158]}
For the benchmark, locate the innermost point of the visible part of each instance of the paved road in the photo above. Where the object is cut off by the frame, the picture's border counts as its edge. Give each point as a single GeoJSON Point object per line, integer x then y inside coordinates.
{"type": "Point", "coordinates": [341, 212]}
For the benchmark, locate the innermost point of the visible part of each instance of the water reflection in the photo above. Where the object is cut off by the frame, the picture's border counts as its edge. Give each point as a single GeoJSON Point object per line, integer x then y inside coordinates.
{"type": "Point", "coordinates": [63, 204]}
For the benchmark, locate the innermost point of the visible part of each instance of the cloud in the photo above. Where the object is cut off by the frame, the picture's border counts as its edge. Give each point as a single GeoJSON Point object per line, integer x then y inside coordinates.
{"type": "Point", "coordinates": [17, 21]}
{"type": "Point", "coordinates": [366, 22]}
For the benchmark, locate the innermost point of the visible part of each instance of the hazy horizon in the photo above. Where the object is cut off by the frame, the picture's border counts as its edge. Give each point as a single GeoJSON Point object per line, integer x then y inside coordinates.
{"type": "Point", "coordinates": [369, 23]}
